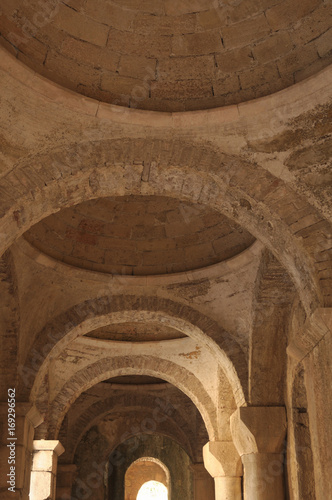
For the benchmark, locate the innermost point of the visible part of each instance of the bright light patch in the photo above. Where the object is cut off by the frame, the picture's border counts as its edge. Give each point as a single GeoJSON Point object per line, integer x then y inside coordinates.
{"type": "Point", "coordinates": [152, 490]}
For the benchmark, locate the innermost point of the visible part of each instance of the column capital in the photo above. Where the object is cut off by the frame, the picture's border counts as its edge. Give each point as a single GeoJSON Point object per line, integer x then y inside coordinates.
{"type": "Point", "coordinates": [315, 328]}
{"type": "Point", "coordinates": [48, 445]}
{"type": "Point", "coordinates": [222, 459]}
{"type": "Point", "coordinates": [259, 429]}
{"type": "Point", "coordinates": [24, 409]}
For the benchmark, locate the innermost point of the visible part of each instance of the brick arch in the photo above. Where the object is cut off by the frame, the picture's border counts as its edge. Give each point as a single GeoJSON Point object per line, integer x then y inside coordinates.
{"type": "Point", "coordinates": [91, 314]}
{"type": "Point", "coordinates": [107, 368]}
{"type": "Point", "coordinates": [101, 409]}
{"type": "Point", "coordinates": [189, 171]}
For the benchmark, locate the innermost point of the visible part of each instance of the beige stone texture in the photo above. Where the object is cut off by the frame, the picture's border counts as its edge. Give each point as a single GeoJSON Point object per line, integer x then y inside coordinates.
{"type": "Point", "coordinates": [165, 247]}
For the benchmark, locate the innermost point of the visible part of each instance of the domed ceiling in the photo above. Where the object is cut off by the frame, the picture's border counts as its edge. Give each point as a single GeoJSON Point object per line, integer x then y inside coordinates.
{"type": "Point", "coordinates": [140, 235]}
{"type": "Point", "coordinates": [135, 380]}
{"type": "Point", "coordinates": [170, 55]}
{"type": "Point", "coordinates": [136, 332]}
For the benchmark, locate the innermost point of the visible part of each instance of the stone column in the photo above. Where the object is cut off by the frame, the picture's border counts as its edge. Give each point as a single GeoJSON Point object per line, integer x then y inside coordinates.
{"type": "Point", "coordinates": [16, 450]}
{"type": "Point", "coordinates": [223, 462]}
{"type": "Point", "coordinates": [312, 345]}
{"type": "Point", "coordinates": [203, 482]}
{"type": "Point", "coordinates": [64, 481]}
{"type": "Point", "coordinates": [44, 468]}
{"type": "Point", "coordinates": [259, 436]}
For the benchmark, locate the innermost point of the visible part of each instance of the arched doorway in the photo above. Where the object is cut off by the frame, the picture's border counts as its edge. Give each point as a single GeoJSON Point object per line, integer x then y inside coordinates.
{"type": "Point", "coordinates": [152, 490]}
{"type": "Point", "coordinates": [147, 478]}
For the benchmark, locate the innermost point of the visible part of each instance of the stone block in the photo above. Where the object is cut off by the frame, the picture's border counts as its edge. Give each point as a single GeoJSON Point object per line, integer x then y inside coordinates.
{"type": "Point", "coordinates": [288, 12]}
{"type": "Point", "coordinates": [133, 43]}
{"type": "Point", "coordinates": [147, 24]}
{"type": "Point", "coordinates": [80, 26]}
{"type": "Point", "coordinates": [174, 8]}
{"type": "Point", "coordinates": [222, 459]}
{"type": "Point", "coordinates": [273, 47]}
{"type": "Point", "coordinates": [197, 44]}
{"type": "Point", "coordinates": [42, 485]}
{"type": "Point", "coordinates": [155, 7]}
{"type": "Point", "coordinates": [211, 19]}
{"type": "Point", "coordinates": [192, 67]}
{"type": "Point", "coordinates": [245, 32]}
{"type": "Point", "coordinates": [89, 54]}
{"type": "Point", "coordinates": [297, 59]}
{"type": "Point", "coordinates": [71, 73]}
{"type": "Point", "coordinates": [183, 89]}
{"type": "Point", "coordinates": [141, 68]}
{"type": "Point", "coordinates": [236, 60]}
{"type": "Point", "coordinates": [259, 76]}
{"type": "Point", "coordinates": [108, 13]}
{"type": "Point", "coordinates": [132, 87]}
{"type": "Point", "coordinates": [312, 26]}
{"type": "Point", "coordinates": [313, 68]}
{"type": "Point", "coordinates": [226, 85]}
{"type": "Point", "coordinates": [44, 460]}
{"type": "Point", "coordinates": [324, 43]}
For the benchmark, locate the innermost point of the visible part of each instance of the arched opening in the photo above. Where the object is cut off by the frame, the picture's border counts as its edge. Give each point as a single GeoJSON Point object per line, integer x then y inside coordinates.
{"type": "Point", "coordinates": [152, 490]}
{"type": "Point", "coordinates": [147, 458]}
{"type": "Point", "coordinates": [147, 478]}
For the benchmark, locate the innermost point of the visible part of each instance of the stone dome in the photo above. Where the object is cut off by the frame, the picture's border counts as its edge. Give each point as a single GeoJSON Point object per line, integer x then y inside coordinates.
{"type": "Point", "coordinates": [140, 235]}
{"type": "Point", "coordinates": [167, 55]}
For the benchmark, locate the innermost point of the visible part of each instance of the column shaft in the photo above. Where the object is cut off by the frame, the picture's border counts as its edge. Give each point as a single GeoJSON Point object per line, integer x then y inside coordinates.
{"type": "Point", "coordinates": [228, 488]}
{"type": "Point", "coordinates": [263, 476]}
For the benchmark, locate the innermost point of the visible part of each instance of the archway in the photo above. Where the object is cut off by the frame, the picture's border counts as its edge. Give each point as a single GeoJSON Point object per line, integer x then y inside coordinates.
{"type": "Point", "coordinates": [171, 459]}
{"type": "Point", "coordinates": [147, 478]}
{"type": "Point", "coordinates": [152, 490]}
{"type": "Point", "coordinates": [86, 181]}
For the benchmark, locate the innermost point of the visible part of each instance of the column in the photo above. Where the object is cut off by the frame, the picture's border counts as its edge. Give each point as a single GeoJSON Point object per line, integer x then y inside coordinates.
{"type": "Point", "coordinates": [16, 450]}
{"type": "Point", "coordinates": [44, 468]}
{"type": "Point", "coordinates": [64, 481]}
{"type": "Point", "coordinates": [259, 436]}
{"type": "Point", "coordinates": [223, 462]}
{"type": "Point", "coordinates": [203, 482]}
{"type": "Point", "coordinates": [311, 344]}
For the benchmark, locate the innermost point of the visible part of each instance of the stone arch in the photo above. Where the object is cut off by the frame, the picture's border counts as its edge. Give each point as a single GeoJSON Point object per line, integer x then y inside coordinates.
{"type": "Point", "coordinates": [102, 408]}
{"type": "Point", "coordinates": [163, 479]}
{"type": "Point", "coordinates": [244, 192]}
{"type": "Point", "coordinates": [157, 461]}
{"type": "Point", "coordinates": [132, 365]}
{"type": "Point", "coordinates": [158, 452]}
{"type": "Point", "coordinates": [92, 314]}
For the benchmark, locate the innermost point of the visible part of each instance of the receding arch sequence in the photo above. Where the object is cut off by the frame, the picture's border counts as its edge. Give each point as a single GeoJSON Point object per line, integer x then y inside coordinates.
{"type": "Point", "coordinates": [105, 310]}
{"type": "Point", "coordinates": [126, 365]}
